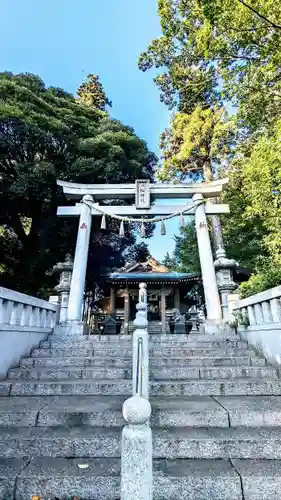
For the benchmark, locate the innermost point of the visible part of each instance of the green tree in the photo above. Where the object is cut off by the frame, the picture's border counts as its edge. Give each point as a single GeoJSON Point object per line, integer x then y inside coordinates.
{"type": "Point", "coordinates": [186, 250]}
{"type": "Point", "coordinates": [185, 257]}
{"type": "Point", "coordinates": [170, 262]}
{"type": "Point", "coordinates": [223, 52]}
{"type": "Point", "coordinates": [196, 144]}
{"type": "Point", "coordinates": [46, 134]}
{"type": "Point", "coordinates": [219, 49]}
{"type": "Point", "coordinates": [92, 94]}
{"type": "Point", "coordinates": [254, 231]}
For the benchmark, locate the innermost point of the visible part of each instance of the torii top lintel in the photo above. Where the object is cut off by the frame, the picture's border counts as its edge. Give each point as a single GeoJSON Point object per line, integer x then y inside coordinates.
{"type": "Point", "coordinates": [76, 191]}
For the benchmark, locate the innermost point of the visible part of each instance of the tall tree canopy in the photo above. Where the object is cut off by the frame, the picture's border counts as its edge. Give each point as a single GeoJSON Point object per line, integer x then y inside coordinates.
{"type": "Point", "coordinates": [46, 134]}
{"type": "Point", "coordinates": [215, 55]}
{"type": "Point", "coordinates": [217, 49]}
{"type": "Point", "coordinates": [92, 94]}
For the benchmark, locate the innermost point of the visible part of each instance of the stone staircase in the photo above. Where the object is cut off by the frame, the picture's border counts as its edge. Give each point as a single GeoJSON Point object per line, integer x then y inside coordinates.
{"type": "Point", "coordinates": [216, 420]}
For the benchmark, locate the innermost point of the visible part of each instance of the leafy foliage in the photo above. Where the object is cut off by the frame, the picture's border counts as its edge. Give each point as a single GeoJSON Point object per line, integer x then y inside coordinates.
{"type": "Point", "coordinates": [195, 144]}
{"type": "Point", "coordinates": [46, 134]}
{"type": "Point", "coordinates": [214, 54]}
{"type": "Point", "coordinates": [219, 49]}
{"type": "Point", "coordinates": [92, 94]}
{"type": "Point", "coordinates": [268, 277]}
{"type": "Point", "coordinates": [185, 258]}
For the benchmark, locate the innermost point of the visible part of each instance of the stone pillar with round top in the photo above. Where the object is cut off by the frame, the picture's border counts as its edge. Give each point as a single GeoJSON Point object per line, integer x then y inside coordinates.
{"type": "Point", "coordinates": [136, 450]}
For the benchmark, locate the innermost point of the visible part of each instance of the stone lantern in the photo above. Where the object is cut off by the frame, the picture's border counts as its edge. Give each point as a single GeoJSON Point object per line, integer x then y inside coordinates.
{"type": "Point", "coordinates": [224, 273]}
{"type": "Point", "coordinates": [63, 288]}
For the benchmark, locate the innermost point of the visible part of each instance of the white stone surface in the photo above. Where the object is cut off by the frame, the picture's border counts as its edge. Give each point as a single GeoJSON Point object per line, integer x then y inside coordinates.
{"type": "Point", "coordinates": [251, 315]}
{"type": "Point", "coordinates": [71, 328]}
{"type": "Point", "coordinates": [136, 410]}
{"type": "Point", "coordinates": [136, 451]}
{"type": "Point", "coordinates": [266, 312]}
{"type": "Point", "coordinates": [20, 310]}
{"type": "Point", "coordinates": [131, 210]}
{"type": "Point", "coordinates": [76, 296]}
{"type": "Point", "coordinates": [10, 295]}
{"type": "Point", "coordinates": [264, 331]}
{"type": "Point", "coordinates": [275, 307]}
{"type": "Point", "coordinates": [207, 264]}
{"type": "Point", "coordinates": [266, 338]}
{"type": "Point", "coordinates": [123, 191]}
{"type": "Point", "coordinates": [15, 343]}
{"type": "Point", "coordinates": [272, 293]}
{"type": "Point", "coordinates": [24, 322]}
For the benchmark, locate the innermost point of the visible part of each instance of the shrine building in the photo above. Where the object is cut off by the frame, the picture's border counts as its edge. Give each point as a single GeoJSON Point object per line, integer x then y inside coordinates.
{"type": "Point", "coordinates": [166, 291]}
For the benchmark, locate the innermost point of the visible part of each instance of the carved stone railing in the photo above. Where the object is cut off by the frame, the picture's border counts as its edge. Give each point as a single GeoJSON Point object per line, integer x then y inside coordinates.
{"type": "Point", "coordinates": [136, 445]}
{"type": "Point", "coordinates": [24, 322]}
{"type": "Point", "coordinates": [20, 310]}
{"type": "Point", "coordinates": [259, 322]}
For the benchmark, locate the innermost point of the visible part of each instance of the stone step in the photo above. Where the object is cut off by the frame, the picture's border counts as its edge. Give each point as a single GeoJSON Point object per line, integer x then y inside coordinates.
{"type": "Point", "coordinates": [127, 339]}
{"type": "Point", "coordinates": [95, 442]}
{"type": "Point", "coordinates": [213, 373]}
{"type": "Point", "coordinates": [106, 411]}
{"type": "Point", "coordinates": [66, 373]}
{"type": "Point", "coordinates": [173, 479]}
{"type": "Point", "coordinates": [66, 411]}
{"type": "Point", "coordinates": [160, 373]}
{"type": "Point", "coordinates": [153, 345]}
{"type": "Point", "coordinates": [266, 386]}
{"type": "Point", "coordinates": [127, 362]}
{"type": "Point", "coordinates": [126, 352]}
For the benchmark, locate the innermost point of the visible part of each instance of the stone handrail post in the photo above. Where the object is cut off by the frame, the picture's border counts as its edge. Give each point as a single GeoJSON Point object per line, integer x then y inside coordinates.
{"type": "Point", "coordinates": [140, 324]}
{"type": "Point", "coordinates": [136, 445]}
{"type": "Point", "coordinates": [136, 451]}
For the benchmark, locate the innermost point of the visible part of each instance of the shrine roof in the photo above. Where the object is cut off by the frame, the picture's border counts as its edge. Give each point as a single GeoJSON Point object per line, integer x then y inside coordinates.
{"type": "Point", "coordinates": [167, 277]}
{"type": "Point", "coordinates": [150, 271]}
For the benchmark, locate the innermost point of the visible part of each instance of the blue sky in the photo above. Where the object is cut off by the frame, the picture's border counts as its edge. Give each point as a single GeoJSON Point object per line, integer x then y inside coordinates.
{"type": "Point", "coordinates": [64, 40]}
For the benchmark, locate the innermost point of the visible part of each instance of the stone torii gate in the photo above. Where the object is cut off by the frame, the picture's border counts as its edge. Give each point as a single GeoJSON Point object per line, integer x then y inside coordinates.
{"type": "Point", "coordinates": [143, 193]}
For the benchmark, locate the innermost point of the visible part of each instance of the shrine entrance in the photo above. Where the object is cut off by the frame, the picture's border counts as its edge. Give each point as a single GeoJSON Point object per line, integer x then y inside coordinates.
{"type": "Point", "coordinates": [141, 211]}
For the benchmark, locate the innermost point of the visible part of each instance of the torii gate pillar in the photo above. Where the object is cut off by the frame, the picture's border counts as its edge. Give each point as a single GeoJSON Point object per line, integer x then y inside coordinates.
{"type": "Point", "coordinates": [212, 299]}
{"type": "Point", "coordinates": [74, 324]}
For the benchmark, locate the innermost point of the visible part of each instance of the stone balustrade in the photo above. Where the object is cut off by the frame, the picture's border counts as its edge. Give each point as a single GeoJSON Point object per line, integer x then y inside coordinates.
{"type": "Point", "coordinates": [260, 322]}
{"type": "Point", "coordinates": [18, 309]}
{"type": "Point", "coordinates": [24, 322]}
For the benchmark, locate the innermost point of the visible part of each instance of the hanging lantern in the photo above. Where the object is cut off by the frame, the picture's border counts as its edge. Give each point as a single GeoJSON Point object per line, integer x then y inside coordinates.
{"type": "Point", "coordinates": [163, 229]}
{"type": "Point", "coordinates": [121, 229]}
{"type": "Point", "coordinates": [182, 220]}
{"type": "Point", "coordinates": [143, 232]}
{"type": "Point", "coordinates": [103, 222]}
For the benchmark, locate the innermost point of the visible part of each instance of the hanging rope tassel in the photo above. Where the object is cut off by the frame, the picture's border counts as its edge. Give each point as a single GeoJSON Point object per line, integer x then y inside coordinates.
{"type": "Point", "coordinates": [103, 222]}
{"type": "Point", "coordinates": [143, 232]}
{"type": "Point", "coordinates": [163, 229]}
{"type": "Point", "coordinates": [121, 230]}
{"type": "Point", "coordinates": [182, 224]}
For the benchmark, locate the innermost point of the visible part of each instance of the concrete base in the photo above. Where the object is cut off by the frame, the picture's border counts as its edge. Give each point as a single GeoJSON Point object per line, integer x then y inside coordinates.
{"type": "Point", "coordinates": [215, 327]}
{"type": "Point", "coordinates": [71, 328]}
